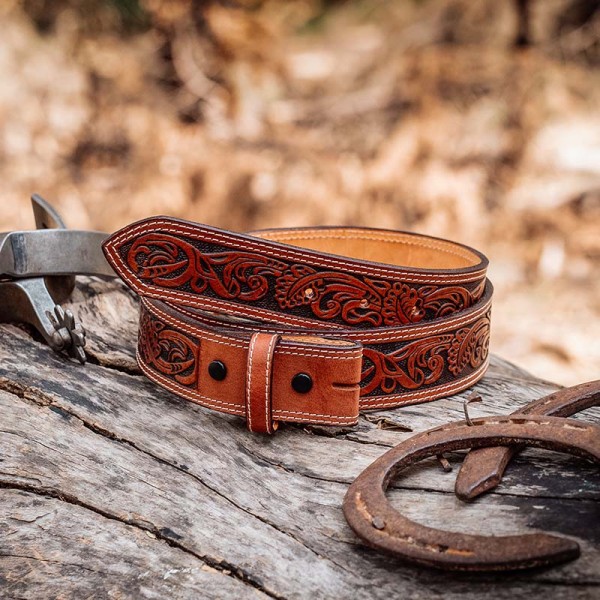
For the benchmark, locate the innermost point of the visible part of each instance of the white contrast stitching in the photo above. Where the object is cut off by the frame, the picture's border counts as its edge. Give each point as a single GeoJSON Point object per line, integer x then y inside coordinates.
{"type": "Point", "coordinates": [198, 232]}
{"type": "Point", "coordinates": [403, 333]}
{"type": "Point", "coordinates": [268, 383]}
{"type": "Point", "coordinates": [293, 419]}
{"type": "Point", "coordinates": [318, 354]}
{"type": "Point", "coordinates": [197, 331]}
{"type": "Point", "coordinates": [296, 412]}
{"type": "Point", "coordinates": [249, 380]}
{"type": "Point", "coordinates": [416, 332]}
{"type": "Point", "coordinates": [193, 301]}
{"type": "Point", "coordinates": [439, 246]}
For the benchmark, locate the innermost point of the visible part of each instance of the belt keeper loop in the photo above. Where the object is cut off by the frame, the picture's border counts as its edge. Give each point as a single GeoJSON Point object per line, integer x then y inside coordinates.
{"type": "Point", "coordinates": [258, 383]}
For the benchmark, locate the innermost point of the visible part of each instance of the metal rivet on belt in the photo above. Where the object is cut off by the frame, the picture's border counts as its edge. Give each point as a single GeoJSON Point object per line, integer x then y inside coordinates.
{"type": "Point", "coordinates": [217, 370]}
{"type": "Point", "coordinates": [302, 383]}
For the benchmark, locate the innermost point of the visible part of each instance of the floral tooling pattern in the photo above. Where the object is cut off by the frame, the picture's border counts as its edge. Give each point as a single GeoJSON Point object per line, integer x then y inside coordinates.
{"type": "Point", "coordinates": [170, 262]}
{"type": "Point", "coordinates": [425, 361]}
{"type": "Point", "coordinates": [170, 352]}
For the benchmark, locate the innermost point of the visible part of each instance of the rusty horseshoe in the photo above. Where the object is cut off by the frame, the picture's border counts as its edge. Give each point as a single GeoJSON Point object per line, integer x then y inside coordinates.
{"type": "Point", "coordinates": [375, 521]}
{"type": "Point", "coordinates": [482, 469]}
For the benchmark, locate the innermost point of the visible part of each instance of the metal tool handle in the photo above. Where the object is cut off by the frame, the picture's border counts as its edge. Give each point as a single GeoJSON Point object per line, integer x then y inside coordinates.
{"type": "Point", "coordinates": [51, 252]}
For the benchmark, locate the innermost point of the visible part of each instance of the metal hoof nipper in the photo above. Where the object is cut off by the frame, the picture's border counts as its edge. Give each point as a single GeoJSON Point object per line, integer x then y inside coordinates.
{"type": "Point", "coordinates": [37, 272]}
{"type": "Point", "coordinates": [374, 520]}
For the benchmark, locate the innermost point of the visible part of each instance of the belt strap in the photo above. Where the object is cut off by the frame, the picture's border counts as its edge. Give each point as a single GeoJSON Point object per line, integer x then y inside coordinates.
{"type": "Point", "coordinates": [307, 325]}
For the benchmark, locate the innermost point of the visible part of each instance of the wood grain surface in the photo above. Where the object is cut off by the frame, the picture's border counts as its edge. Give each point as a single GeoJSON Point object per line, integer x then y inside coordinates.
{"type": "Point", "coordinates": [113, 488]}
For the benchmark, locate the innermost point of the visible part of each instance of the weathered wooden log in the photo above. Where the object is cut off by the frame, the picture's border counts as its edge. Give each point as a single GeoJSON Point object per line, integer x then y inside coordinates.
{"type": "Point", "coordinates": [113, 488]}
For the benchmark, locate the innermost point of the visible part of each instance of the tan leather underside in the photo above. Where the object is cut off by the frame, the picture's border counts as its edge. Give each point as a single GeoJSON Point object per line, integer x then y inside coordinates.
{"type": "Point", "coordinates": [375, 246]}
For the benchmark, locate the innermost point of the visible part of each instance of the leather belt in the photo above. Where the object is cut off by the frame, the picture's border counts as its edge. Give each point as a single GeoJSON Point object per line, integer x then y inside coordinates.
{"type": "Point", "coordinates": [308, 325]}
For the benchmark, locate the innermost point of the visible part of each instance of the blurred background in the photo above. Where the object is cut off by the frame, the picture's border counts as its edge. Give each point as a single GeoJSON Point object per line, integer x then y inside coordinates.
{"type": "Point", "coordinates": [476, 120]}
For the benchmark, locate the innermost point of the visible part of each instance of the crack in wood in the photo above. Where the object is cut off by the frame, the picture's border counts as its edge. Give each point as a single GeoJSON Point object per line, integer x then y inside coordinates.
{"type": "Point", "coordinates": [113, 366]}
{"type": "Point", "coordinates": [161, 534]}
{"type": "Point", "coordinates": [50, 403]}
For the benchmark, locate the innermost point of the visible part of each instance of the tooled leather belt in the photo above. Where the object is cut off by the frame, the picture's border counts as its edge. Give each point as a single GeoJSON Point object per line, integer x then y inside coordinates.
{"type": "Point", "coordinates": [307, 325]}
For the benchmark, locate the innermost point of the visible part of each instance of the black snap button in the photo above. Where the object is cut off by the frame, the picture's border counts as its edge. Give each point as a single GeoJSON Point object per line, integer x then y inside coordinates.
{"type": "Point", "coordinates": [217, 370]}
{"type": "Point", "coordinates": [302, 383]}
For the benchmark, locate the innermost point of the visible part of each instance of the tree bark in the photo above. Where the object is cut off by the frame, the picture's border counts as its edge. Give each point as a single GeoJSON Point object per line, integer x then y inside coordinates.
{"type": "Point", "coordinates": [113, 488]}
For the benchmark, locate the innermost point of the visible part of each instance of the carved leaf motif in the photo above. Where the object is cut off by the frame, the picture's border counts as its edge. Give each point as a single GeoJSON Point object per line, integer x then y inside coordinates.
{"type": "Point", "coordinates": [416, 364]}
{"type": "Point", "coordinates": [402, 304]}
{"type": "Point", "coordinates": [447, 300]}
{"type": "Point", "coordinates": [329, 294]}
{"type": "Point", "coordinates": [171, 262]}
{"type": "Point", "coordinates": [170, 352]}
{"type": "Point", "coordinates": [469, 346]}
{"type": "Point", "coordinates": [293, 289]}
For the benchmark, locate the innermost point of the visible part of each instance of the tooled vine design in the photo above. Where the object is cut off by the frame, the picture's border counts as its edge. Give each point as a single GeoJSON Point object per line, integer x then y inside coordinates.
{"type": "Point", "coordinates": [170, 352]}
{"type": "Point", "coordinates": [365, 300]}
{"type": "Point", "coordinates": [469, 346]}
{"type": "Point", "coordinates": [424, 361]}
{"type": "Point", "coordinates": [170, 262]}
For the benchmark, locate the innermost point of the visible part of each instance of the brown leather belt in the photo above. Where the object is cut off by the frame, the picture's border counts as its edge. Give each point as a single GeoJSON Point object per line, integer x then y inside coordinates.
{"type": "Point", "coordinates": [306, 325]}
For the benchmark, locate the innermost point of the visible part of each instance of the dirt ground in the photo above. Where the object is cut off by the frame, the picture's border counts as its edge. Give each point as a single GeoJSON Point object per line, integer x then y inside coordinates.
{"type": "Point", "coordinates": [425, 116]}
